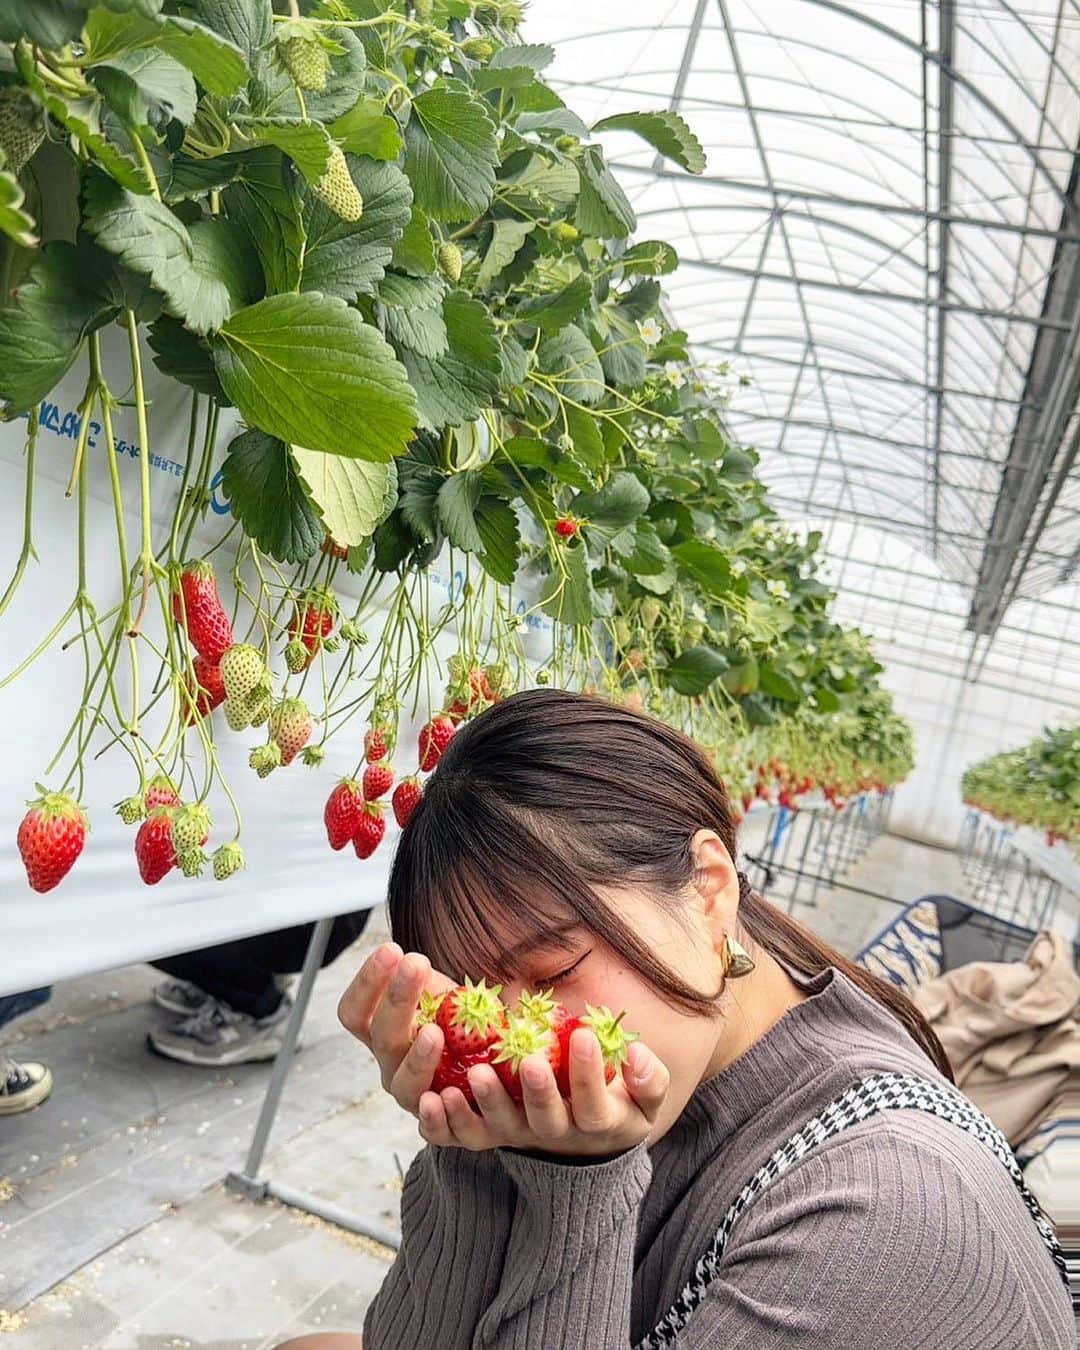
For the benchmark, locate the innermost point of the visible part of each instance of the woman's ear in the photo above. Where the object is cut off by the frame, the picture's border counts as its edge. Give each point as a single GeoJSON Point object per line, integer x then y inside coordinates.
{"type": "Point", "coordinates": [716, 882]}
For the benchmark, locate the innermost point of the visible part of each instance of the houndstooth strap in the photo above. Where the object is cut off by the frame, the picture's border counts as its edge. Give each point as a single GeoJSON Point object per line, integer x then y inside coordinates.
{"type": "Point", "coordinates": [876, 1092]}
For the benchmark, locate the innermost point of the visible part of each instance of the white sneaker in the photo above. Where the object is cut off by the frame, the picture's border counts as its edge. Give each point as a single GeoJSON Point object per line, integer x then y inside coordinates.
{"type": "Point", "coordinates": [218, 1035]}
{"type": "Point", "coordinates": [22, 1086]}
{"type": "Point", "coordinates": [180, 997]}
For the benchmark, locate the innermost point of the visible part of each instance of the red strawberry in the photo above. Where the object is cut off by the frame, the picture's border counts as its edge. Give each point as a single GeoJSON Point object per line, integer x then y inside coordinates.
{"type": "Point", "coordinates": [375, 744]}
{"type": "Point", "coordinates": [457, 711]}
{"type": "Point", "coordinates": [747, 801]}
{"type": "Point", "coordinates": [160, 792]}
{"type": "Point", "coordinates": [313, 619]}
{"type": "Point", "coordinates": [454, 1072]}
{"type": "Point", "coordinates": [153, 845]}
{"type": "Point", "coordinates": [614, 1041]}
{"type": "Point", "coordinates": [209, 692]}
{"type": "Point", "coordinates": [435, 736]}
{"type": "Point", "coordinates": [378, 780]}
{"type": "Point", "coordinates": [472, 1018]}
{"type": "Point", "coordinates": [369, 830]}
{"type": "Point", "coordinates": [478, 684]}
{"type": "Point", "coordinates": [197, 608]}
{"type": "Point", "coordinates": [524, 1036]}
{"type": "Point", "coordinates": [51, 837]}
{"type": "Point", "coordinates": [566, 527]}
{"type": "Point", "coordinates": [342, 812]}
{"type": "Point", "coordinates": [333, 549]}
{"type": "Point", "coordinates": [406, 799]}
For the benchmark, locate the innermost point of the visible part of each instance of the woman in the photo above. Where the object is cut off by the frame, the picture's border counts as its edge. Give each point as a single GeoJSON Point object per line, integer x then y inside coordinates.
{"type": "Point", "coordinates": [567, 843]}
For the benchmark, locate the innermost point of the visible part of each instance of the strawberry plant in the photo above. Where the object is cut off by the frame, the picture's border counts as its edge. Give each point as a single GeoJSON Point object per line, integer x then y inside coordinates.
{"type": "Point", "coordinates": [390, 280]}
{"type": "Point", "coordinates": [1037, 785]}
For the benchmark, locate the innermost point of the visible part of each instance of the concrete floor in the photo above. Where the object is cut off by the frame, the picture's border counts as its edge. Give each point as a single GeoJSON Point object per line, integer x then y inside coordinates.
{"type": "Point", "coordinates": [116, 1232]}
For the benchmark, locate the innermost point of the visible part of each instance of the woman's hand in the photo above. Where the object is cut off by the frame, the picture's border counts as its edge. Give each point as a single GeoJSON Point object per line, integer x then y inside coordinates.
{"type": "Point", "coordinates": [600, 1120]}
{"type": "Point", "coordinates": [378, 1008]}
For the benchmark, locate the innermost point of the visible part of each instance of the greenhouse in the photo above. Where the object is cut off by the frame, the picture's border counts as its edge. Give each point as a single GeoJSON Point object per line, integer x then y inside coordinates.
{"type": "Point", "coordinates": [541, 681]}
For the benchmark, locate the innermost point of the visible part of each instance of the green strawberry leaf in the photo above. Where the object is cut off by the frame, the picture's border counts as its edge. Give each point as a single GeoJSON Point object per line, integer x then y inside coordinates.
{"type": "Point", "coordinates": [570, 599]}
{"type": "Point", "coordinates": [515, 66]}
{"type": "Point", "coordinates": [82, 118]}
{"type": "Point", "coordinates": [40, 335]}
{"type": "Point", "coordinates": [529, 453]}
{"type": "Point", "coordinates": [457, 386]}
{"type": "Point", "coordinates": [307, 144]}
{"type": "Point", "coordinates": [507, 236]}
{"type": "Point", "coordinates": [346, 258]}
{"type": "Point", "coordinates": [348, 493]}
{"type": "Point", "coordinates": [555, 310]}
{"type": "Point", "coordinates": [650, 556]}
{"type": "Point", "coordinates": [414, 316]}
{"type": "Point", "coordinates": [145, 235]}
{"type": "Point", "coordinates": [704, 563]}
{"type": "Point", "coordinates": [309, 370]}
{"type": "Point", "coordinates": [199, 177]}
{"type": "Point", "coordinates": [215, 61]}
{"type": "Point", "coordinates": [227, 275]}
{"type": "Point", "coordinates": [458, 499]}
{"type": "Point", "coordinates": [14, 221]}
{"type": "Point", "coordinates": [569, 360]}
{"type": "Point", "coordinates": [415, 250]}
{"type": "Point", "coordinates": [620, 502]}
{"type": "Point", "coordinates": [777, 685]}
{"type": "Point", "coordinates": [419, 499]}
{"type": "Point", "coordinates": [665, 131]}
{"type": "Point", "coordinates": [184, 356]}
{"type": "Point", "coordinates": [585, 434]}
{"type": "Point", "coordinates": [247, 24]}
{"type": "Point", "coordinates": [147, 89]}
{"type": "Point", "coordinates": [268, 498]}
{"type": "Point", "coordinates": [366, 129]}
{"type": "Point", "coordinates": [49, 23]}
{"type": "Point", "coordinates": [497, 525]}
{"type": "Point", "coordinates": [651, 258]}
{"type": "Point", "coordinates": [559, 120]}
{"type": "Point", "coordinates": [694, 669]}
{"type": "Point", "coordinates": [603, 208]}
{"type": "Point", "coordinates": [450, 154]}
{"type": "Point", "coordinates": [264, 199]}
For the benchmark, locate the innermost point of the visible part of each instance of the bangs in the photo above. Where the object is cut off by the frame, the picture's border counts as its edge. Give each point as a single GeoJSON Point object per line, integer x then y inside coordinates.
{"type": "Point", "coordinates": [476, 892]}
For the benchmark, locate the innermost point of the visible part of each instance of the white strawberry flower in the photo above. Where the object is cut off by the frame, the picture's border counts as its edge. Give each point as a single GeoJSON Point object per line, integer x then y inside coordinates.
{"type": "Point", "coordinates": [674, 374]}
{"type": "Point", "coordinates": [811, 649]}
{"type": "Point", "coordinates": [649, 331]}
{"type": "Point", "coordinates": [778, 589]}
{"type": "Point", "coordinates": [738, 567]}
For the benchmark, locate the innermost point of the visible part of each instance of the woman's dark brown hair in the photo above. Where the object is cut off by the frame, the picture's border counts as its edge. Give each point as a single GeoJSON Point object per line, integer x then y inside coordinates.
{"type": "Point", "coordinates": [550, 795]}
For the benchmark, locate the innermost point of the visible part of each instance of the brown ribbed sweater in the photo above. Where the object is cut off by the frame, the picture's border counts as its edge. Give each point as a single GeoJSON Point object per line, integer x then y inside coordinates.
{"type": "Point", "coordinates": [902, 1233]}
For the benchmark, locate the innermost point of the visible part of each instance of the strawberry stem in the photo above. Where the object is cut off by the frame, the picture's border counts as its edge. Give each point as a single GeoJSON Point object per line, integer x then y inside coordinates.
{"type": "Point", "coordinates": [27, 550]}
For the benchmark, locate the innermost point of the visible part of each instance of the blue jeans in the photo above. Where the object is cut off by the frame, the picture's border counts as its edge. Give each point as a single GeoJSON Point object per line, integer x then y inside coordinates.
{"type": "Point", "coordinates": [14, 1005]}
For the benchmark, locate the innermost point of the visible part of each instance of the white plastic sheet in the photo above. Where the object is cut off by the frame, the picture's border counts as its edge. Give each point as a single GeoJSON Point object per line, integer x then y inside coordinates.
{"type": "Point", "coordinates": [101, 915]}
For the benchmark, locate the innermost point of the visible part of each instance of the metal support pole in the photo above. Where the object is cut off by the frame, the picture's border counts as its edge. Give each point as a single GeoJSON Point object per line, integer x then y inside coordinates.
{"type": "Point", "coordinates": [247, 1182]}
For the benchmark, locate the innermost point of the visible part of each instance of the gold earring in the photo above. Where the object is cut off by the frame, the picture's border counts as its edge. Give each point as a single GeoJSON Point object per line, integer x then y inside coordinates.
{"type": "Point", "coordinates": [737, 960]}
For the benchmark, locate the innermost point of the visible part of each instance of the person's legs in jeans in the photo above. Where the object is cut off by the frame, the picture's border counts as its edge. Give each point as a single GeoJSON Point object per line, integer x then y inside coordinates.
{"type": "Point", "coordinates": [22, 1085]}
{"type": "Point", "coordinates": [245, 1014]}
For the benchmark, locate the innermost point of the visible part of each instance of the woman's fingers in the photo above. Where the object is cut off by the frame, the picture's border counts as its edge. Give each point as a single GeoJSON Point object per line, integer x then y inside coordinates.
{"type": "Point", "coordinates": [647, 1080]}
{"type": "Point", "coordinates": [545, 1110]}
{"type": "Point", "coordinates": [360, 1000]}
{"type": "Point", "coordinates": [469, 1130]}
{"type": "Point", "coordinates": [592, 1103]}
{"type": "Point", "coordinates": [434, 1126]}
{"type": "Point", "coordinates": [392, 1022]}
{"type": "Point", "coordinates": [412, 1077]}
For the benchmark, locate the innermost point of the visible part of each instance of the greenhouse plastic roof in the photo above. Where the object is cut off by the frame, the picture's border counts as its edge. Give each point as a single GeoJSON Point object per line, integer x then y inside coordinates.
{"type": "Point", "coordinates": [886, 240]}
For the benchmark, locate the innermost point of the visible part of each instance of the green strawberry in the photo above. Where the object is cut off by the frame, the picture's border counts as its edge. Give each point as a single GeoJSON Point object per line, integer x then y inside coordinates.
{"type": "Point", "coordinates": [337, 189]}
{"type": "Point", "coordinates": [264, 759]}
{"type": "Point", "coordinates": [191, 861]}
{"type": "Point", "coordinates": [229, 858]}
{"type": "Point", "coordinates": [130, 810]}
{"type": "Point", "coordinates": [306, 60]}
{"type": "Point", "coordinates": [22, 128]}
{"type": "Point", "coordinates": [237, 713]}
{"type": "Point", "coordinates": [297, 656]}
{"type": "Point", "coordinates": [478, 48]}
{"type": "Point", "coordinates": [448, 256]}
{"type": "Point", "coordinates": [242, 669]}
{"type": "Point", "coordinates": [190, 829]}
